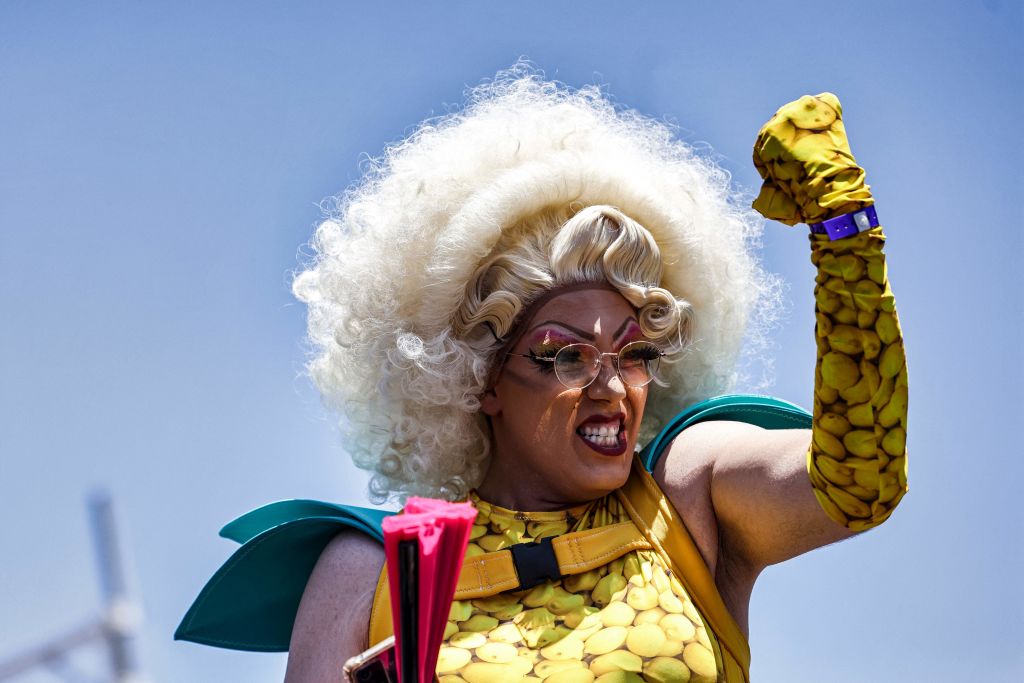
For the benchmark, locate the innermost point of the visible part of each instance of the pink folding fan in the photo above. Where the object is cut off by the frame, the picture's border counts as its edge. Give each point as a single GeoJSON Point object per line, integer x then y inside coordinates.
{"type": "Point", "coordinates": [424, 547]}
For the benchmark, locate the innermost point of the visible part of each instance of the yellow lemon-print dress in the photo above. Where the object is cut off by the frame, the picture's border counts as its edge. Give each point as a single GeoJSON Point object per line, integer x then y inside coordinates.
{"type": "Point", "coordinates": [629, 620]}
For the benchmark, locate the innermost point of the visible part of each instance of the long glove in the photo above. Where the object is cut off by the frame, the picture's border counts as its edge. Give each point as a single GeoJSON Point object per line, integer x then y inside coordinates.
{"type": "Point", "coordinates": [857, 460]}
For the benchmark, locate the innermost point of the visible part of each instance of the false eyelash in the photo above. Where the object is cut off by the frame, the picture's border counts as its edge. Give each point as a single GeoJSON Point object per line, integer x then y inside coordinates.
{"type": "Point", "coordinates": [543, 360]}
{"type": "Point", "coordinates": [546, 351]}
{"type": "Point", "coordinates": [542, 367]}
{"type": "Point", "coordinates": [649, 354]}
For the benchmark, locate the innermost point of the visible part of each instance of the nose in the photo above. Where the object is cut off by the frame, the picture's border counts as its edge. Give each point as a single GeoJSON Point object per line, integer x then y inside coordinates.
{"type": "Point", "coordinates": [608, 386]}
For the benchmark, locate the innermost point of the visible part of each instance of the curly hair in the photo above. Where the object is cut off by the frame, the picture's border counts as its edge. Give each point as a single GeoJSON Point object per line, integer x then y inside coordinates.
{"type": "Point", "coordinates": [423, 267]}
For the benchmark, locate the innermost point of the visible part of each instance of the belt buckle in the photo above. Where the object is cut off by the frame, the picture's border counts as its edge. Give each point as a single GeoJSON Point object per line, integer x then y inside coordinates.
{"type": "Point", "coordinates": [535, 562]}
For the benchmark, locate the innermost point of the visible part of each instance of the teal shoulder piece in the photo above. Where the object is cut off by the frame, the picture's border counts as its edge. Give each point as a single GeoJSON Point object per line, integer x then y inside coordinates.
{"type": "Point", "coordinates": [763, 411]}
{"type": "Point", "coordinates": [267, 517]}
{"type": "Point", "coordinates": [250, 603]}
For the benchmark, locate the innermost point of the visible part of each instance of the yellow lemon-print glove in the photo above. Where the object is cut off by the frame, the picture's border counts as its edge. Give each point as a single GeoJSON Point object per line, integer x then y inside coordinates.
{"type": "Point", "coordinates": [857, 460]}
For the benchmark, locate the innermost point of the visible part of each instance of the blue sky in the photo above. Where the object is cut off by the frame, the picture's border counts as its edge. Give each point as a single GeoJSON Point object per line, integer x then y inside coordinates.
{"type": "Point", "coordinates": [162, 164]}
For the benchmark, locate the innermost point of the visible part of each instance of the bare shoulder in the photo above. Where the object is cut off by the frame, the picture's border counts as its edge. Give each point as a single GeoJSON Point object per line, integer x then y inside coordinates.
{"type": "Point", "coordinates": [333, 619]}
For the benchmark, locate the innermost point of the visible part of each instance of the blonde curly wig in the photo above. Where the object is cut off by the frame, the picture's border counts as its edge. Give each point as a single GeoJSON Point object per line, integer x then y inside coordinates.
{"type": "Point", "coordinates": [422, 270]}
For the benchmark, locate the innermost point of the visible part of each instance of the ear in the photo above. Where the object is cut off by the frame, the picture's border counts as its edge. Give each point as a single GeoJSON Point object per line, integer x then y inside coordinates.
{"type": "Point", "coordinates": [490, 404]}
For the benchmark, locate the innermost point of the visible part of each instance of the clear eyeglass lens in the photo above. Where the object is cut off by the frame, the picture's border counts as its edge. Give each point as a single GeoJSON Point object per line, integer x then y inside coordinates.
{"type": "Point", "coordinates": [638, 361]}
{"type": "Point", "coordinates": [577, 365]}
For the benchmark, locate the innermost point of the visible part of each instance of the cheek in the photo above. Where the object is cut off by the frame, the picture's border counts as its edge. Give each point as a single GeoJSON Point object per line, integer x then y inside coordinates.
{"type": "Point", "coordinates": [546, 412]}
{"type": "Point", "coordinates": [553, 425]}
{"type": "Point", "coordinates": [638, 401]}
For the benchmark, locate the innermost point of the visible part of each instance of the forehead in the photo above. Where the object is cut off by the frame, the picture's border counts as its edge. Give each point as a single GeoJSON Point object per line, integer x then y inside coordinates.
{"type": "Point", "coordinates": [597, 310]}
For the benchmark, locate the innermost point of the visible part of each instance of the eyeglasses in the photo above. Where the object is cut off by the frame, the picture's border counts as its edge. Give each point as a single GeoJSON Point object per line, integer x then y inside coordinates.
{"type": "Point", "coordinates": [578, 365]}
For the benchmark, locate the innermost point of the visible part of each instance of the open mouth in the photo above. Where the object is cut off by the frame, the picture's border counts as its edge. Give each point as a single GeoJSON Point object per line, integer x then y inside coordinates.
{"type": "Point", "coordinates": [604, 435]}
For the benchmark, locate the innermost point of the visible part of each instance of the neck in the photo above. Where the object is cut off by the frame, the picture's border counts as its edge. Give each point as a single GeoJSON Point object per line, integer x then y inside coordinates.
{"type": "Point", "coordinates": [514, 489]}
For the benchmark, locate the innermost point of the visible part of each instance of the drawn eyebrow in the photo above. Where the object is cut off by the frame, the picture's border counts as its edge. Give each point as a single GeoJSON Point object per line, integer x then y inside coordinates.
{"type": "Point", "coordinates": [586, 335]}
{"type": "Point", "coordinates": [622, 327]}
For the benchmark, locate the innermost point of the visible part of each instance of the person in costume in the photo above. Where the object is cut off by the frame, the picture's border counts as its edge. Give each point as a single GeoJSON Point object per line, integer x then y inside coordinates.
{"type": "Point", "coordinates": [514, 301]}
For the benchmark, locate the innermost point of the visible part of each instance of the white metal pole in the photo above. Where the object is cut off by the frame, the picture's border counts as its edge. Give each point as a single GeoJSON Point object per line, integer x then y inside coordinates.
{"type": "Point", "coordinates": [121, 613]}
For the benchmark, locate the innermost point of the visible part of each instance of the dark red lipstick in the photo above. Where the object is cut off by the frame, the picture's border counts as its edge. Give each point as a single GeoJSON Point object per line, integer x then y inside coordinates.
{"type": "Point", "coordinates": [605, 434]}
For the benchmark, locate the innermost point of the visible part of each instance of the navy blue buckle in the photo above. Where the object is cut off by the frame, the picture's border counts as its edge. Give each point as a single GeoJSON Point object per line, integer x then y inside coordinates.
{"type": "Point", "coordinates": [535, 562]}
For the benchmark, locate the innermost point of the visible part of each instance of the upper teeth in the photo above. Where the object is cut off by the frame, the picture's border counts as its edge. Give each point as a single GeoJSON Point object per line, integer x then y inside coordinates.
{"type": "Point", "coordinates": [603, 430]}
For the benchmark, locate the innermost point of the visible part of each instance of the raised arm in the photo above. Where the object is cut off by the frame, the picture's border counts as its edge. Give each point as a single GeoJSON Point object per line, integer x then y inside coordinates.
{"type": "Point", "coordinates": [857, 460]}
{"type": "Point", "coordinates": [775, 494]}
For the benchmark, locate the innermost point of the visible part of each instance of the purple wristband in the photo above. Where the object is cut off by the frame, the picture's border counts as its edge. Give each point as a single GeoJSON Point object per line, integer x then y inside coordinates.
{"type": "Point", "coordinates": [848, 224]}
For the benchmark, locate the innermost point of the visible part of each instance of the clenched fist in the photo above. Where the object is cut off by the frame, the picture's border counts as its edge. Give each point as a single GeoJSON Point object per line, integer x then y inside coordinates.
{"type": "Point", "coordinates": [803, 156]}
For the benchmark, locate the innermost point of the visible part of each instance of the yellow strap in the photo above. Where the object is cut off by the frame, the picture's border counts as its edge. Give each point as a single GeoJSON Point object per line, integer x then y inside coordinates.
{"type": "Point", "coordinates": [653, 513]}
{"type": "Point", "coordinates": [380, 613]}
{"type": "Point", "coordinates": [576, 552]}
{"type": "Point", "coordinates": [493, 573]}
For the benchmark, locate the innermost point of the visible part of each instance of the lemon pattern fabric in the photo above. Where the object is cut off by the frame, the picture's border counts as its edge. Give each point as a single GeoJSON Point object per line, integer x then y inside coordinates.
{"type": "Point", "coordinates": [629, 620]}
{"type": "Point", "coordinates": [857, 461]}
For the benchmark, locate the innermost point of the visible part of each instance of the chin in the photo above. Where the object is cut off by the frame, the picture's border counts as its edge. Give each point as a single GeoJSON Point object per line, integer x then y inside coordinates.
{"type": "Point", "coordinates": [601, 479]}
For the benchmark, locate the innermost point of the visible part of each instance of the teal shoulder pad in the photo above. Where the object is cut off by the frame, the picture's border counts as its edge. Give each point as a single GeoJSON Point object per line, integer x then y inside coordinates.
{"type": "Point", "coordinates": [251, 602]}
{"type": "Point", "coordinates": [763, 411]}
